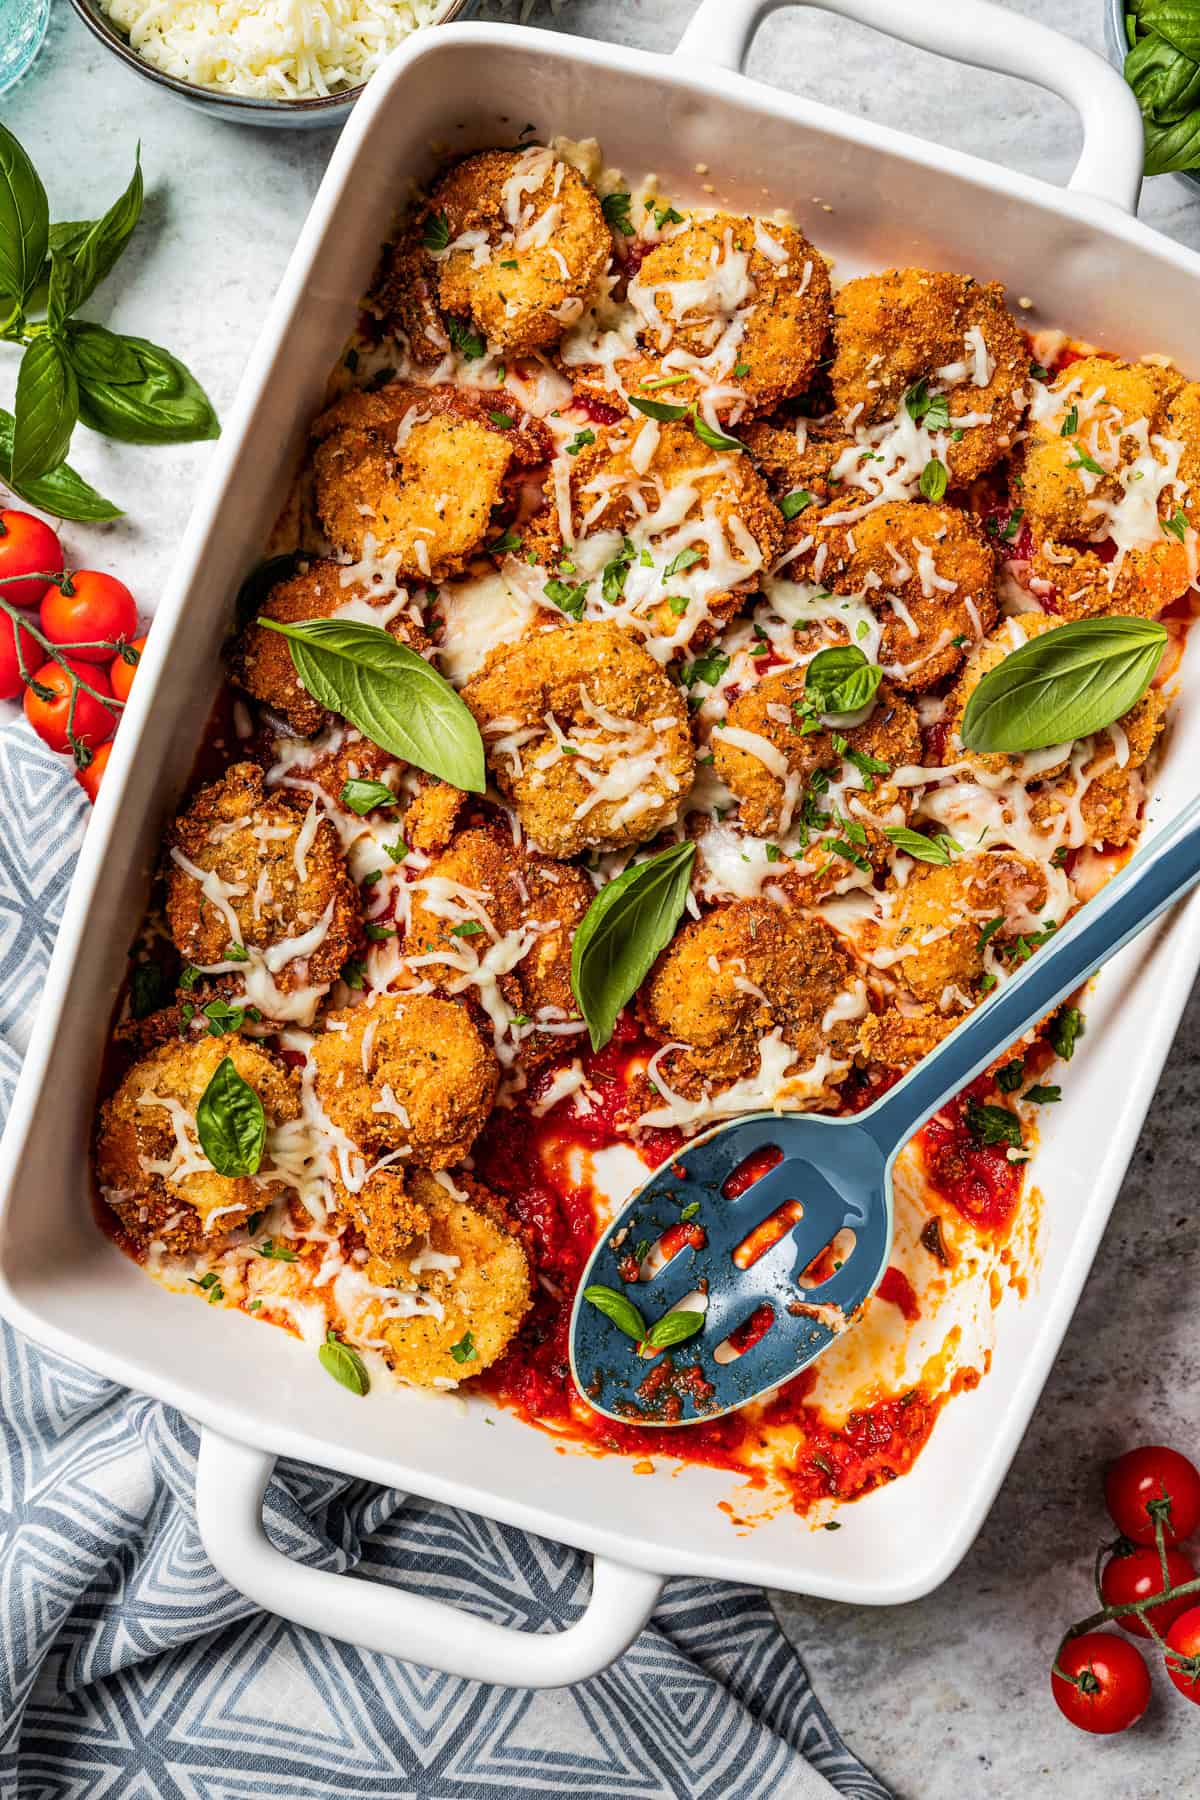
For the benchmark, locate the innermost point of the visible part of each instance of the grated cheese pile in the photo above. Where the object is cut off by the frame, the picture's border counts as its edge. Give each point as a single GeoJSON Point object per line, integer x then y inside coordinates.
{"type": "Point", "coordinates": [274, 50]}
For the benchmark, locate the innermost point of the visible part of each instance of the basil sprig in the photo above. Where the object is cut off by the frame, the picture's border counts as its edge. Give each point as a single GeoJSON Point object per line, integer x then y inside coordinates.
{"type": "Point", "coordinates": [230, 1122]}
{"type": "Point", "coordinates": [394, 696]}
{"type": "Point", "coordinates": [623, 930]}
{"type": "Point", "coordinates": [74, 371]}
{"type": "Point", "coordinates": [344, 1364]}
{"type": "Point", "coordinates": [841, 680]}
{"type": "Point", "coordinates": [671, 1328]}
{"type": "Point", "coordinates": [1163, 69]}
{"type": "Point", "coordinates": [1063, 685]}
{"type": "Point", "coordinates": [936, 850]}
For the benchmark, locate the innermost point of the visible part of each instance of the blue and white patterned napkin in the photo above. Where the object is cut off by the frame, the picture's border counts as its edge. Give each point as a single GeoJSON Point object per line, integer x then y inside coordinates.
{"type": "Point", "coordinates": [129, 1670]}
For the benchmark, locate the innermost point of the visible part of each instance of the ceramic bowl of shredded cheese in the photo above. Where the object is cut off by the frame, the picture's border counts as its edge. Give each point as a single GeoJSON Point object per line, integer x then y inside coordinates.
{"type": "Point", "coordinates": [261, 62]}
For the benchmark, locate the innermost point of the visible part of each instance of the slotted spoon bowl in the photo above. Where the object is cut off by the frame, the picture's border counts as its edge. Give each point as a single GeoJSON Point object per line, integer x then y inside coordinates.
{"type": "Point", "coordinates": [816, 1192]}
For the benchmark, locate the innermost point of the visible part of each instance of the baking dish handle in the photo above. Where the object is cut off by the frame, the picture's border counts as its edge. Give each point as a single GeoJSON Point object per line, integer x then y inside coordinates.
{"type": "Point", "coordinates": [231, 1480]}
{"type": "Point", "coordinates": [987, 36]}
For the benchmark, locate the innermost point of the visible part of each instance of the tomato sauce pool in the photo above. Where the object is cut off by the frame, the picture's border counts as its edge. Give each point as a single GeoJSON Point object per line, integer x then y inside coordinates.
{"type": "Point", "coordinates": [541, 1167]}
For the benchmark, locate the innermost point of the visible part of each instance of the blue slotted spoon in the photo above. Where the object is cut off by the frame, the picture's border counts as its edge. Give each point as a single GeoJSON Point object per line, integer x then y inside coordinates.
{"type": "Point", "coordinates": [840, 1173]}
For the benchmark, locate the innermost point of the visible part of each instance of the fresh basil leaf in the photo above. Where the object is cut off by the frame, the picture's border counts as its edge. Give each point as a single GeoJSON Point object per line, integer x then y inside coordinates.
{"type": "Point", "coordinates": [230, 1122]}
{"type": "Point", "coordinates": [615, 208]}
{"type": "Point", "coordinates": [715, 440]}
{"type": "Point", "coordinates": [841, 680]}
{"type": "Point", "coordinates": [362, 797]}
{"type": "Point", "coordinates": [619, 1308]}
{"type": "Point", "coordinates": [47, 406]}
{"type": "Point", "coordinates": [274, 1252]}
{"type": "Point", "coordinates": [165, 405]}
{"type": "Point", "coordinates": [24, 221]}
{"type": "Point", "coordinates": [62, 492]}
{"type": "Point", "coordinates": [993, 1125]}
{"type": "Point", "coordinates": [1172, 146]}
{"type": "Point", "coordinates": [798, 501]}
{"type": "Point", "coordinates": [464, 1351]}
{"type": "Point", "coordinates": [915, 844]}
{"type": "Point", "coordinates": [100, 355]}
{"type": "Point", "coordinates": [260, 583]}
{"type": "Point", "coordinates": [659, 409]}
{"type": "Point", "coordinates": [1176, 21]}
{"type": "Point", "coordinates": [623, 930]}
{"type": "Point", "coordinates": [344, 1364]}
{"type": "Point", "coordinates": [223, 1017]}
{"type": "Point", "coordinates": [1066, 1029]}
{"type": "Point", "coordinates": [934, 479]}
{"type": "Point", "coordinates": [1040, 1094]}
{"type": "Point", "coordinates": [394, 696]}
{"type": "Point", "coordinates": [60, 295]}
{"type": "Point", "coordinates": [1166, 82]}
{"type": "Point", "coordinates": [100, 248]}
{"type": "Point", "coordinates": [1066, 684]}
{"type": "Point", "coordinates": [673, 1328]}
{"type": "Point", "coordinates": [436, 234]}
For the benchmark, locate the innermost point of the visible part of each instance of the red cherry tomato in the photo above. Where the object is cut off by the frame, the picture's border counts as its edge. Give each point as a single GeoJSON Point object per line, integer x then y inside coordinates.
{"type": "Point", "coordinates": [1137, 1575]}
{"type": "Point", "coordinates": [11, 684]}
{"type": "Point", "coordinates": [1150, 1480]}
{"type": "Point", "coordinates": [98, 607]}
{"type": "Point", "coordinates": [121, 673]}
{"type": "Point", "coordinates": [1184, 1637]}
{"type": "Point", "coordinates": [90, 778]}
{"type": "Point", "coordinates": [1110, 1689]}
{"type": "Point", "coordinates": [26, 546]}
{"type": "Point", "coordinates": [50, 711]}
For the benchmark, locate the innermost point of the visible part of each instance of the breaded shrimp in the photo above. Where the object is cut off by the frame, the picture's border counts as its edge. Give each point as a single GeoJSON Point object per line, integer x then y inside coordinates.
{"type": "Point", "coordinates": [487, 901]}
{"type": "Point", "coordinates": [413, 475]}
{"type": "Point", "coordinates": [672, 532]}
{"type": "Point", "coordinates": [471, 1276]}
{"type": "Point", "coordinates": [740, 304]}
{"type": "Point", "coordinates": [586, 736]}
{"type": "Point", "coordinates": [937, 920]}
{"type": "Point", "coordinates": [257, 881]}
{"type": "Point", "coordinates": [1111, 459]}
{"type": "Point", "coordinates": [741, 973]}
{"type": "Point", "coordinates": [260, 661]}
{"type": "Point", "coordinates": [149, 1163]}
{"type": "Point", "coordinates": [767, 751]}
{"type": "Point", "coordinates": [512, 239]}
{"type": "Point", "coordinates": [926, 571]}
{"type": "Point", "coordinates": [906, 326]}
{"type": "Point", "coordinates": [411, 1073]}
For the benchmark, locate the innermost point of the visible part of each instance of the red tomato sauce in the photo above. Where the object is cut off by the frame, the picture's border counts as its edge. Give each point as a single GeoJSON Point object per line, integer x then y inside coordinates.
{"type": "Point", "coordinates": [977, 1179]}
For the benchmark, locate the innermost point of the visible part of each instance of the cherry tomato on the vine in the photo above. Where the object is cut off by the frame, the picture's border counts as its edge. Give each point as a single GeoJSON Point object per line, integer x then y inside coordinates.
{"type": "Point", "coordinates": [121, 672]}
{"type": "Point", "coordinates": [1184, 1637]}
{"type": "Point", "coordinates": [27, 546]}
{"type": "Point", "coordinates": [1150, 1481]}
{"type": "Point", "coordinates": [1110, 1685]}
{"type": "Point", "coordinates": [50, 711]}
{"type": "Point", "coordinates": [1136, 1574]}
{"type": "Point", "coordinates": [90, 778]}
{"type": "Point", "coordinates": [98, 610]}
{"type": "Point", "coordinates": [11, 685]}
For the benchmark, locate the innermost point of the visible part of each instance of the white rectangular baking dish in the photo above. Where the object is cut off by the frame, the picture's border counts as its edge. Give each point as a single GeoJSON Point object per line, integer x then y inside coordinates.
{"type": "Point", "coordinates": [1087, 263]}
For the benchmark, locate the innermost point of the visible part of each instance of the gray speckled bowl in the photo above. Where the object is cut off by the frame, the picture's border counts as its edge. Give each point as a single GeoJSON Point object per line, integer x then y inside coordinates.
{"type": "Point", "coordinates": [238, 109]}
{"type": "Point", "coordinates": [1116, 44]}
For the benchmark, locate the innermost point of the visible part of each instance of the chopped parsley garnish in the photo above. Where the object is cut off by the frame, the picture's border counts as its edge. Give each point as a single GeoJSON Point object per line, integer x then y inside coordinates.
{"type": "Point", "coordinates": [1041, 1095]}
{"type": "Point", "coordinates": [1038, 372]}
{"type": "Point", "coordinates": [510, 263]}
{"type": "Point", "coordinates": [773, 852]}
{"type": "Point", "coordinates": [740, 370]}
{"type": "Point", "coordinates": [1066, 1029]}
{"type": "Point", "coordinates": [377, 933]}
{"type": "Point", "coordinates": [1010, 530]}
{"type": "Point", "coordinates": [468, 928]}
{"type": "Point", "coordinates": [568, 597]}
{"type": "Point", "coordinates": [1176, 526]}
{"type": "Point", "coordinates": [437, 232]}
{"type": "Point", "coordinates": [989, 931]}
{"type": "Point", "coordinates": [615, 208]}
{"type": "Point", "coordinates": [690, 1211]}
{"type": "Point", "coordinates": [678, 604]}
{"type": "Point", "coordinates": [932, 410]}
{"type": "Point", "coordinates": [1083, 460]}
{"type": "Point", "coordinates": [796, 502]}
{"type": "Point", "coordinates": [504, 420]}
{"type": "Point", "coordinates": [275, 1252]}
{"type": "Point", "coordinates": [397, 851]}
{"type": "Point", "coordinates": [354, 973]}
{"type": "Point", "coordinates": [993, 1124]}
{"type": "Point", "coordinates": [708, 668]}
{"type": "Point", "coordinates": [237, 953]}
{"type": "Point", "coordinates": [467, 342]}
{"type": "Point", "coordinates": [580, 441]}
{"type": "Point", "coordinates": [1070, 424]}
{"type": "Point", "coordinates": [223, 1017]}
{"type": "Point", "coordinates": [612, 582]}
{"type": "Point", "coordinates": [504, 545]}
{"type": "Point", "coordinates": [189, 977]}
{"type": "Point", "coordinates": [464, 1351]}
{"type": "Point", "coordinates": [666, 215]}
{"type": "Point", "coordinates": [1010, 1077]}
{"type": "Point", "coordinates": [683, 560]}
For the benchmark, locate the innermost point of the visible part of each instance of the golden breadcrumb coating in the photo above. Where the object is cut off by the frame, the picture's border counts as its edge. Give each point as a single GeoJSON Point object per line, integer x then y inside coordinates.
{"type": "Point", "coordinates": [620, 728]}
{"type": "Point", "coordinates": [260, 661]}
{"type": "Point", "coordinates": [419, 472]}
{"type": "Point", "coordinates": [481, 1302]}
{"type": "Point", "coordinates": [899, 1039]}
{"type": "Point", "coordinates": [138, 1141]}
{"type": "Point", "coordinates": [908, 325]}
{"type": "Point", "coordinates": [1114, 790]}
{"type": "Point", "coordinates": [274, 863]}
{"type": "Point", "coordinates": [739, 973]}
{"type": "Point", "coordinates": [411, 1073]}
{"type": "Point", "coordinates": [937, 919]}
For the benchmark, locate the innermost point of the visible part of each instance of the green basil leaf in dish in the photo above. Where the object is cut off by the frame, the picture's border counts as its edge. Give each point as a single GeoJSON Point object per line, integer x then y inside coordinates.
{"type": "Point", "coordinates": [47, 407]}
{"type": "Point", "coordinates": [1066, 684]}
{"type": "Point", "coordinates": [937, 850]}
{"type": "Point", "coordinates": [798, 501]}
{"type": "Point", "coordinates": [344, 1364]}
{"type": "Point", "coordinates": [841, 680]}
{"type": "Point", "coordinates": [61, 492]}
{"type": "Point", "coordinates": [662, 410]}
{"type": "Point", "coordinates": [361, 797]}
{"type": "Point", "coordinates": [394, 696]}
{"type": "Point", "coordinates": [165, 405]}
{"type": "Point", "coordinates": [24, 225]}
{"type": "Point", "coordinates": [673, 1328]}
{"type": "Point", "coordinates": [710, 436]}
{"type": "Point", "coordinates": [934, 479]}
{"type": "Point", "coordinates": [628, 923]}
{"type": "Point", "coordinates": [619, 1308]}
{"type": "Point", "coordinates": [230, 1122]}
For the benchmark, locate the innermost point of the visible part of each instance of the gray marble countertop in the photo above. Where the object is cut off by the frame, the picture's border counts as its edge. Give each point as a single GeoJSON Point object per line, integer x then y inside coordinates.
{"type": "Point", "coordinates": [948, 1697]}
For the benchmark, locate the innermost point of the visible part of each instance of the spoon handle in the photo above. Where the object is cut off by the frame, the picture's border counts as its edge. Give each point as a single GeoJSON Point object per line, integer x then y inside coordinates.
{"type": "Point", "coordinates": [1152, 879]}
